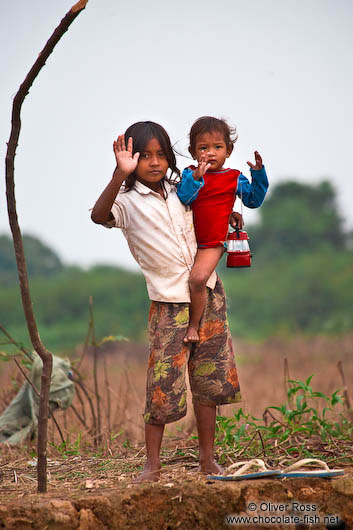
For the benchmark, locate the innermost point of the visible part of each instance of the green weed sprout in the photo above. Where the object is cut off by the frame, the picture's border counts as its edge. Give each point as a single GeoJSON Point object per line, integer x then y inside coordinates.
{"type": "Point", "coordinates": [308, 424]}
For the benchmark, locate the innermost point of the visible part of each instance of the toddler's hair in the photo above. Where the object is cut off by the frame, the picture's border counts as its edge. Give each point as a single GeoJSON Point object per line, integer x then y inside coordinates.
{"type": "Point", "coordinates": [141, 133]}
{"type": "Point", "coordinates": [208, 124]}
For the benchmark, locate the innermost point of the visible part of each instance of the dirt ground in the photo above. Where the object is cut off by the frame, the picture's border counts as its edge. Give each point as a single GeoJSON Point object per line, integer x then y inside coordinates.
{"type": "Point", "coordinates": [93, 489]}
{"type": "Point", "coordinates": [99, 493]}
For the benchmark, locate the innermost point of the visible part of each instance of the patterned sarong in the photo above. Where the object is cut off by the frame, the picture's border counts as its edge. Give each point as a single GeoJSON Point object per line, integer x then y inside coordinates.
{"type": "Point", "coordinates": [212, 371]}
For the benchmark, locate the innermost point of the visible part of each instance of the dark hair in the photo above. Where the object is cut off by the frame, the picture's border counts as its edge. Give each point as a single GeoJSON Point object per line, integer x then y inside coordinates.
{"type": "Point", "coordinates": [141, 133]}
{"type": "Point", "coordinates": [208, 124]}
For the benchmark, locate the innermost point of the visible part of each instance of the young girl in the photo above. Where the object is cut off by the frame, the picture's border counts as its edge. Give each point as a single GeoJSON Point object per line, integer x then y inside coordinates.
{"type": "Point", "coordinates": [142, 201]}
{"type": "Point", "coordinates": [212, 191]}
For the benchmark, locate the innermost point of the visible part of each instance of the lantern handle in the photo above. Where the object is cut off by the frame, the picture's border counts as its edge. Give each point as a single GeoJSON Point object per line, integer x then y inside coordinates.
{"type": "Point", "coordinates": [241, 199]}
{"type": "Point", "coordinates": [237, 229]}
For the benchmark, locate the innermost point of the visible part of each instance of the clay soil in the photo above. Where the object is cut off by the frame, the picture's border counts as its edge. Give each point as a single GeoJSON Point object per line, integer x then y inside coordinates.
{"type": "Point", "coordinates": [99, 493]}
{"type": "Point", "coordinates": [92, 488]}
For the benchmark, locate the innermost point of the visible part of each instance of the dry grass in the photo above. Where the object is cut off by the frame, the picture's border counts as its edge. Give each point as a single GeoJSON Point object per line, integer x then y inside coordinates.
{"type": "Point", "coordinates": [122, 369]}
{"type": "Point", "coordinates": [261, 367]}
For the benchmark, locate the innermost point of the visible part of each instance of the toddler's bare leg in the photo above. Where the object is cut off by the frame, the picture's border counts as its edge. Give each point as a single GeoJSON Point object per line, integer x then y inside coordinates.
{"type": "Point", "coordinates": [205, 263]}
{"type": "Point", "coordinates": [153, 436]}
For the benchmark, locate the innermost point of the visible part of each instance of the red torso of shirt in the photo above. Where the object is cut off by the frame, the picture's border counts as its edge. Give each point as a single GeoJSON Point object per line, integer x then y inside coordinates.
{"type": "Point", "coordinates": [213, 206]}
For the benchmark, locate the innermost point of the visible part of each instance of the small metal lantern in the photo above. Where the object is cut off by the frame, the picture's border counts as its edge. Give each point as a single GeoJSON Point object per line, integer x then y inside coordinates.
{"type": "Point", "coordinates": [238, 249]}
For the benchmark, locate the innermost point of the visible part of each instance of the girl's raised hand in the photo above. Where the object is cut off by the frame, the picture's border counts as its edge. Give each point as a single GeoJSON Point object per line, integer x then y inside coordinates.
{"type": "Point", "coordinates": [125, 161]}
{"type": "Point", "coordinates": [258, 162]}
{"type": "Point", "coordinates": [201, 168]}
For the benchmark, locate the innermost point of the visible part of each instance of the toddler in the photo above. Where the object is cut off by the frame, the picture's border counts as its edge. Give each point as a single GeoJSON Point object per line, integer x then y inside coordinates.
{"type": "Point", "coordinates": [211, 190]}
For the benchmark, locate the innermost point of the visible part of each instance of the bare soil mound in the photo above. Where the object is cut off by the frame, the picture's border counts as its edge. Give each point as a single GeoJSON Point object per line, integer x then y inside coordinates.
{"type": "Point", "coordinates": [182, 499]}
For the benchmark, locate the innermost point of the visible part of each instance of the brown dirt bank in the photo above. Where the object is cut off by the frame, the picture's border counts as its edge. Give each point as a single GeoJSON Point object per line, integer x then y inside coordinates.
{"type": "Point", "coordinates": [189, 501]}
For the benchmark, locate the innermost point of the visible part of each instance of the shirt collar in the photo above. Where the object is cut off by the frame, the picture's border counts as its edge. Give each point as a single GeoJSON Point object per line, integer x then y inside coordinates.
{"type": "Point", "coordinates": [145, 190]}
{"type": "Point", "coordinates": [141, 188]}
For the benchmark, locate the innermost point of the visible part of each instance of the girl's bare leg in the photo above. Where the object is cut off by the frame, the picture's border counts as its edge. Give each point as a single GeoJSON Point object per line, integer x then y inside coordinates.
{"type": "Point", "coordinates": [206, 261]}
{"type": "Point", "coordinates": [206, 427]}
{"type": "Point", "coordinates": [153, 436]}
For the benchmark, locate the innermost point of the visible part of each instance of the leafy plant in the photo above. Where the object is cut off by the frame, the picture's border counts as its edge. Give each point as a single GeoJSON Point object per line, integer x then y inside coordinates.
{"type": "Point", "coordinates": [307, 423]}
{"type": "Point", "coordinates": [67, 449]}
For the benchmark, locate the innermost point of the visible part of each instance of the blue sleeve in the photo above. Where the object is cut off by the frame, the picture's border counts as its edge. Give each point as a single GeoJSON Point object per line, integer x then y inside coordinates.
{"type": "Point", "coordinates": [253, 193]}
{"type": "Point", "coordinates": [188, 188]}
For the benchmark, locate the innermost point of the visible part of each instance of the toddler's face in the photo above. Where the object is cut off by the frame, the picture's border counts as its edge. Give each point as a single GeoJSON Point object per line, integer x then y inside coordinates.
{"type": "Point", "coordinates": [152, 165]}
{"type": "Point", "coordinates": [214, 148]}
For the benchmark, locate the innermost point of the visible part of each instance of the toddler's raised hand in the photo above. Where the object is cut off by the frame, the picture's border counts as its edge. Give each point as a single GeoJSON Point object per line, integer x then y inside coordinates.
{"type": "Point", "coordinates": [258, 162]}
{"type": "Point", "coordinates": [201, 168]}
{"type": "Point", "coordinates": [125, 161]}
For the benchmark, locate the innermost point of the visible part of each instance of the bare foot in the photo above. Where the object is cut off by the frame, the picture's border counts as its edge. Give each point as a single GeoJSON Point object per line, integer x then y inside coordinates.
{"type": "Point", "coordinates": [149, 474]}
{"type": "Point", "coordinates": [192, 335]}
{"type": "Point", "coordinates": [210, 468]}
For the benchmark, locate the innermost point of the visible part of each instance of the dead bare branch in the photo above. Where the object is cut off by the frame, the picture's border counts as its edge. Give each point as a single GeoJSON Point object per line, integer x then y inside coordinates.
{"type": "Point", "coordinates": [98, 436]}
{"type": "Point", "coordinates": [347, 402]}
{"type": "Point", "coordinates": [38, 346]}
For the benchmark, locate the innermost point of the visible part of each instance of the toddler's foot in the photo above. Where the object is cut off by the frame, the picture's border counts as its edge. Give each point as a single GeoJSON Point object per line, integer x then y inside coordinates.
{"type": "Point", "coordinates": [210, 467]}
{"type": "Point", "coordinates": [149, 474]}
{"type": "Point", "coordinates": [192, 335]}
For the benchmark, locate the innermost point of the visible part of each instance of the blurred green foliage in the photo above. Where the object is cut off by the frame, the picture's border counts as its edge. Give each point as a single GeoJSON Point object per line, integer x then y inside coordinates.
{"type": "Point", "coordinates": [42, 261]}
{"type": "Point", "coordinates": [298, 218]}
{"type": "Point", "coordinates": [301, 278]}
{"type": "Point", "coordinates": [62, 309]}
{"type": "Point", "coordinates": [300, 281]}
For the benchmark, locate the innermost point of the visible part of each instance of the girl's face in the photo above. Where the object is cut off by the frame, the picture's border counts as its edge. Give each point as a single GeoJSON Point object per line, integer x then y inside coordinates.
{"type": "Point", "coordinates": [212, 146]}
{"type": "Point", "coordinates": [152, 165]}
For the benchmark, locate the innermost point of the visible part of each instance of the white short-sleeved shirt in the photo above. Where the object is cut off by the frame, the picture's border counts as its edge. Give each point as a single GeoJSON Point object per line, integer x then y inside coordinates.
{"type": "Point", "coordinates": [160, 235]}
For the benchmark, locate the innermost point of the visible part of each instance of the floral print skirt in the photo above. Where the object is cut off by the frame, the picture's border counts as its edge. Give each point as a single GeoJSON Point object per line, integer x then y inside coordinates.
{"type": "Point", "coordinates": [211, 365]}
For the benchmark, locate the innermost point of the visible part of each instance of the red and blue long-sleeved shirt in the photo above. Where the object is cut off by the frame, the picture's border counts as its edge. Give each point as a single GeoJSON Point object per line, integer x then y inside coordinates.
{"type": "Point", "coordinates": [212, 199]}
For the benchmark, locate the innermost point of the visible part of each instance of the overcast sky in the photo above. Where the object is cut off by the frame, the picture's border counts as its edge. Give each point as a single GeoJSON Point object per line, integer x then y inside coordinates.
{"type": "Point", "coordinates": [280, 70]}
